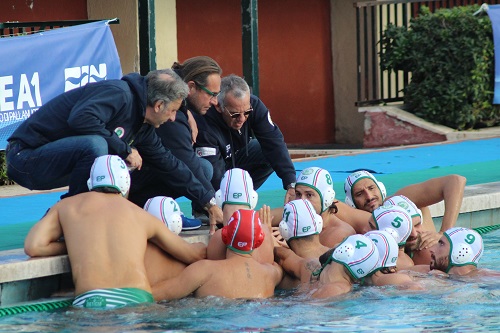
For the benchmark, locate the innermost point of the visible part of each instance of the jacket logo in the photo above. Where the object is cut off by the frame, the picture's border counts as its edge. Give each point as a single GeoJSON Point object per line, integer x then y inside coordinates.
{"type": "Point", "coordinates": [120, 131]}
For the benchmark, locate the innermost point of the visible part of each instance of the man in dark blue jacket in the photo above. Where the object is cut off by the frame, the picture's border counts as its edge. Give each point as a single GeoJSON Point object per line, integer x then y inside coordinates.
{"type": "Point", "coordinates": [202, 74]}
{"type": "Point", "coordinates": [238, 133]}
{"type": "Point", "coordinates": [57, 145]}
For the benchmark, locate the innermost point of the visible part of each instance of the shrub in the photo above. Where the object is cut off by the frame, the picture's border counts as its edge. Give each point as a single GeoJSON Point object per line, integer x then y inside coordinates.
{"type": "Point", "coordinates": [450, 55]}
{"type": "Point", "coordinates": [4, 180]}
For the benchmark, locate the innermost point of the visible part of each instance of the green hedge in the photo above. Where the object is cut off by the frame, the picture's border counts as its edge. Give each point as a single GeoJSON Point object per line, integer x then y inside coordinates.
{"type": "Point", "coordinates": [450, 56]}
{"type": "Point", "coordinates": [4, 180]}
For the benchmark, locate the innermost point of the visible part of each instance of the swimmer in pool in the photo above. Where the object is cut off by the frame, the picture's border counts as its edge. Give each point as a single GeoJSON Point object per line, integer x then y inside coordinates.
{"type": "Point", "coordinates": [115, 248]}
{"type": "Point", "coordinates": [398, 223]}
{"type": "Point", "coordinates": [237, 276]}
{"type": "Point", "coordinates": [300, 227]}
{"type": "Point", "coordinates": [458, 253]}
{"type": "Point", "coordinates": [365, 193]}
{"type": "Point", "coordinates": [386, 272]}
{"type": "Point", "coordinates": [236, 192]}
{"type": "Point", "coordinates": [349, 262]}
{"type": "Point", "coordinates": [315, 185]}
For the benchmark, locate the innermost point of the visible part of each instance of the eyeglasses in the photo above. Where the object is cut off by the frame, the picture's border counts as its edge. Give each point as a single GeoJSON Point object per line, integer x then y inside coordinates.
{"type": "Point", "coordinates": [212, 94]}
{"type": "Point", "coordinates": [235, 115]}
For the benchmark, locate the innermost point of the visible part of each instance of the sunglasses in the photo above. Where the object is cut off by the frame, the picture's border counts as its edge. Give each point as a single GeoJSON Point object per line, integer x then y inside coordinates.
{"type": "Point", "coordinates": [236, 115]}
{"type": "Point", "coordinates": [212, 94]}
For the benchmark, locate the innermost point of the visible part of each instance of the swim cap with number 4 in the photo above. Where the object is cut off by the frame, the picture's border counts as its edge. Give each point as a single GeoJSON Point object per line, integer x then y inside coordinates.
{"type": "Point", "coordinates": [358, 254]}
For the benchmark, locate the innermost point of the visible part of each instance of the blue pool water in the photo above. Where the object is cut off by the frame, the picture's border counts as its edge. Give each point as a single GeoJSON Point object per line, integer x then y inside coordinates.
{"type": "Point", "coordinates": [445, 305]}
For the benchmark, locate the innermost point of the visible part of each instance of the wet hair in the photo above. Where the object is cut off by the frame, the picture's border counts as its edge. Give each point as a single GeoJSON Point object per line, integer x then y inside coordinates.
{"type": "Point", "coordinates": [162, 89]}
{"type": "Point", "coordinates": [197, 69]}
{"type": "Point", "coordinates": [333, 209]}
{"type": "Point", "coordinates": [388, 270]}
{"type": "Point", "coordinates": [325, 257]}
{"type": "Point", "coordinates": [233, 84]}
{"type": "Point", "coordinates": [105, 189]}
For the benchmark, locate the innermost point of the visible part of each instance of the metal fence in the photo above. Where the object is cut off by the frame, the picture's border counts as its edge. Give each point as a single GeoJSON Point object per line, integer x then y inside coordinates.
{"type": "Point", "coordinates": [12, 29]}
{"type": "Point", "coordinates": [376, 86]}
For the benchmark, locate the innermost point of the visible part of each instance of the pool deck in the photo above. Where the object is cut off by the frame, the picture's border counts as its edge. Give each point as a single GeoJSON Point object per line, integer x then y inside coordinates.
{"type": "Point", "coordinates": [28, 280]}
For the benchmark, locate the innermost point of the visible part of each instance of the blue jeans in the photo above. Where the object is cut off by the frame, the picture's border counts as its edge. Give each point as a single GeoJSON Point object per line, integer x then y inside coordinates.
{"type": "Point", "coordinates": [255, 163]}
{"type": "Point", "coordinates": [60, 163]}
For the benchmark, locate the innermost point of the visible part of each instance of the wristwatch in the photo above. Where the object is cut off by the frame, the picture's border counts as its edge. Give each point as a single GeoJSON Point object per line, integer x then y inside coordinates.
{"type": "Point", "coordinates": [210, 204]}
{"type": "Point", "coordinates": [289, 186]}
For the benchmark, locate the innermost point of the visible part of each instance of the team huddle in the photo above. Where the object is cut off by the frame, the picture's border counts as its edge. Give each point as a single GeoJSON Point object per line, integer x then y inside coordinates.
{"type": "Point", "coordinates": [186, 131]}
{"type": "Point", "coordinates": [137, 255]}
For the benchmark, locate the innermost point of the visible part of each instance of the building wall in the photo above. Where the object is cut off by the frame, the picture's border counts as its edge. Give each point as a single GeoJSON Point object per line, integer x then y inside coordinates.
{"type": "Point", "coordinates": [348, 121]}
{"type": "Point", "coordinates": [295, 60]}
{"type": "Point", "coordinates": [42, 10]}
{"type": "Point", "coordinates": [307, 52]}
{"type": "Point", "coordinates": [126, 34]}
{"type": "Point", "coordinates": [166, 33]}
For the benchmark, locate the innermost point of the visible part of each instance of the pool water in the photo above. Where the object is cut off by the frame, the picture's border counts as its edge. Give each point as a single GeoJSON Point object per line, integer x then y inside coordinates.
{"type": "Point", "coordinates": [446, 305]}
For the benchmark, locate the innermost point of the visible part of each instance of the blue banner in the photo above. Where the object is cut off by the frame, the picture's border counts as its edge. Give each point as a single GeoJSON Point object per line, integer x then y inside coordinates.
{"type": "Point", "coordinates": [36, 68]}
{"type": "Point", "coordinates": [494, 14]}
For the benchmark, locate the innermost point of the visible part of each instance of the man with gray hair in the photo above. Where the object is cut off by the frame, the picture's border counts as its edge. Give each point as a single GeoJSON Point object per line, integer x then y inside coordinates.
{"type": "Point", "coordinates": [57, 145]}
{"type": "Point", "coordinates": [238, 132]}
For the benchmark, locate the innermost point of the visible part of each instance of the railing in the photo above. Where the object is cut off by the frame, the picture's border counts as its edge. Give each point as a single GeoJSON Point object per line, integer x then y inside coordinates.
{"type": "Point", "coordinates": [376, 86]}
{"type": "Point", "coordinates": [12, 29]}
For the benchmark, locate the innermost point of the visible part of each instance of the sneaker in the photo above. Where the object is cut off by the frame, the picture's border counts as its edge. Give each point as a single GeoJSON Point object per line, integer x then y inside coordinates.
{"type": "Point", "coordinates": [201, 216]}
{"type": "Point", "coordinates": [190, 224]}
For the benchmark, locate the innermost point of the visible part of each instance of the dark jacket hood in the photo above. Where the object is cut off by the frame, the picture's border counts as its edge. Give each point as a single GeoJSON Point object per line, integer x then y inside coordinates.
{"type": "Point", "coordinates": [138, 85]}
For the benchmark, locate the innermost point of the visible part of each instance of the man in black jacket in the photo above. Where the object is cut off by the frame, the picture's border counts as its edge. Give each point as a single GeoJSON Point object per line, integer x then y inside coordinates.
{"type": "Point", "coordinates": [57, 145]}
{"type": "Point", "coordinates": [238, 132]}
{"type": "Point", "coordinates": [202, 75]}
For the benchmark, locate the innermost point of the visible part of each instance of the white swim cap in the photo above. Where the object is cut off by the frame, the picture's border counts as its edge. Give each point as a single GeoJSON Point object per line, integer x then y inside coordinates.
{"type": "Point", "coordinates": [407, 204]}
{"type": "Point", "coordinates": [387, 247]}
{"type": "Point", "coordinates": [393, 218]}
{"type": "Point", "coordinates": [300, 220]}
{"type": "Point", "coordinates": [321, 181]}
{"type": "Point", "coordinates": [358, 254]}
{"type": "Point", "coordinates": [236, 188]}
{"type": "Point", "coordinates": [167, 210]}
{"type": "Point", "coordinates": [466, 247]}
{"type": "Point", "coordinates": [109, 171]}
{"type": "Point", "coordinates": [353, 178]}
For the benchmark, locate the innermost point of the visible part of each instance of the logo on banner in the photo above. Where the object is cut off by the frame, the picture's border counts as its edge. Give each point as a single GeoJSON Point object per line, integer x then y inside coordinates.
{"type": "Point", "coordinates": [19, 96]}
{"type": "Point", "coordinates": [27, 80]}
{"type": "Point", "coordinates": [76, 77]}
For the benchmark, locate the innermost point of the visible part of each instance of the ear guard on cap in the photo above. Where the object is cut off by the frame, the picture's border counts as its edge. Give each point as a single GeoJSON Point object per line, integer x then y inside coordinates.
{"type": "Point", "coordinates": [167, 210]}
{"type": "Point", "coordinates": [358, 254]}
{"type": "Point", "coordinates": [387, 247]}
{"type": "Point", "coordinates": [243, 232]}
{"type": "Point", "coordinates": [236, 188]}
{"type": "Point", "coordinates": [466, 246]}
{"type": "Point", "coordinates": [321, 181]}
{"type": "Point", "coordinates": [299, 220]}
{"type": "Point", "coordinates": [353, 178]}
{"type": "Point", "coordinates": [109, 171]}
{"type": "Point", "coordinates": [393, 217]}
{"type": "Point", "coordinates": [405, 203]}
